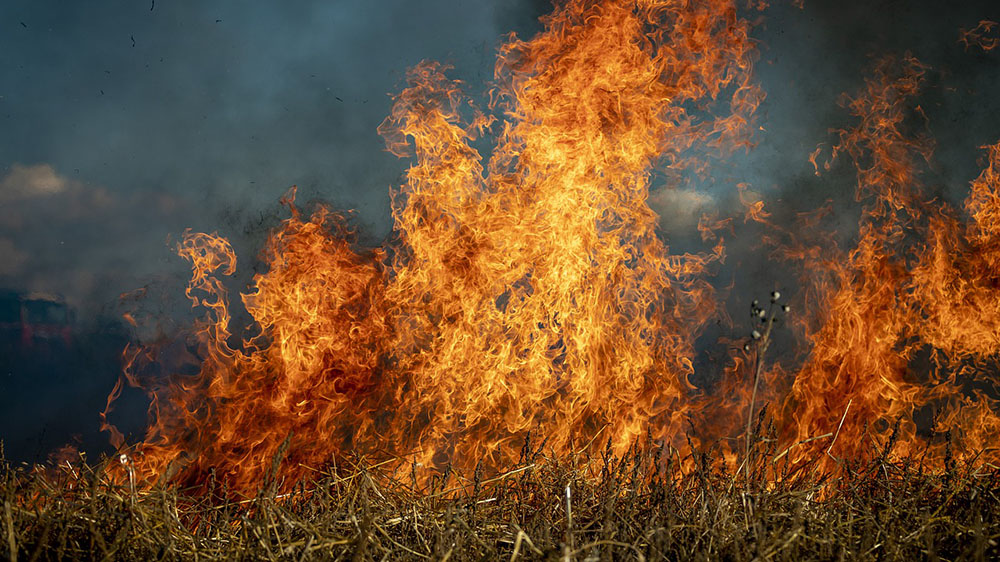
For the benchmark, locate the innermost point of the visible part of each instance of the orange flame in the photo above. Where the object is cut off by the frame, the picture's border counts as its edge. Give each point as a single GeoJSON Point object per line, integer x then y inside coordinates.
{"type": "Point", "coordinates": [530, 292]}
{"type": "Point", "coordinates": [982, 36]}
{"type": "Point", "coordinates": [913, 285]}
{"type": "Point", "coordinates": [534, 297]}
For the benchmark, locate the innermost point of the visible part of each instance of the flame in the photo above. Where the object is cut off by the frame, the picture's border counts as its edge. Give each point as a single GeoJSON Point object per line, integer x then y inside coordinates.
{"type": "Point", "coordinates": [529, 292]}
{"type": "Point", "coordinates": [982, 36]}
{"type": "Point", "coordinates": [917, 288]}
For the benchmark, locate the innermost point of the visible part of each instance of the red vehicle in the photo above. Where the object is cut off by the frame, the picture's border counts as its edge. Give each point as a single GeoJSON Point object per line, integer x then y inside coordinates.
{"type": "Point", "coordinates": [32, 320]}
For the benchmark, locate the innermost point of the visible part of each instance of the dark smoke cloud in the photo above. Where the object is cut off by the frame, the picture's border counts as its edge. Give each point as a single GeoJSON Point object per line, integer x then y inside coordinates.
{"type": "Point", "coordinates": [808, 59]}
{"type": "Point", "coordinates": [812, 56]}
{"type": "Point", "coordinates": [218, 106]}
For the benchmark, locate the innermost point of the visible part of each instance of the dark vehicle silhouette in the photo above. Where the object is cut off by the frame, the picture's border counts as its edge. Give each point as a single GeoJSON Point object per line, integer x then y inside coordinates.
{"type": "Point", "coordinates": [55, 375]}
{"type": "Point", "coordinates": [32, 322]}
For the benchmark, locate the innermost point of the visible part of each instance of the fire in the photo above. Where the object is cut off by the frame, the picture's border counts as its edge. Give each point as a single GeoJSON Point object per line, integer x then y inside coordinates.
{"type": "Point", "coordinates": [984, 36]}
{"type": "Point", "coordinates": [916, 288]}
{"type": "Point", "coordinates": [529, 292]}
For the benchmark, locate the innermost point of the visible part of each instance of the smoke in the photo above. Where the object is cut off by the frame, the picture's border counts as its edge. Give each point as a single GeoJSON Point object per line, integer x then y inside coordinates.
{"type": "Point", "coordinates": [808, 59]}
{"type": "Point", "coordinates": [222, 106]}
{"type": "Point", "coordinates": [219, 107]}
{"type": "Point", "coordinates": [60, 235]}
{"type": "Point", "coordinates": [811, 56]}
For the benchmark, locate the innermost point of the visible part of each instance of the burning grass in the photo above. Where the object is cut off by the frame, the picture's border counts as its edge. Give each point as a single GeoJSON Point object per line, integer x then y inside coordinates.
{"type": "Point", "coordinates": [637, 506]}
{"type": "Point", "coordinates": [528, 290]}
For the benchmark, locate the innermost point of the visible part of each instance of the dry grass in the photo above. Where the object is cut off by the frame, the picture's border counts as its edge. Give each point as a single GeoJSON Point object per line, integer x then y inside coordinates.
{"type": "Point", "coordinates": [616, 509]}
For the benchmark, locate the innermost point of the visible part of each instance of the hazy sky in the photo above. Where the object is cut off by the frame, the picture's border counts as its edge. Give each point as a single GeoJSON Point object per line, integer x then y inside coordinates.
{"type": "Point", "coordinates": [123, 122]}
